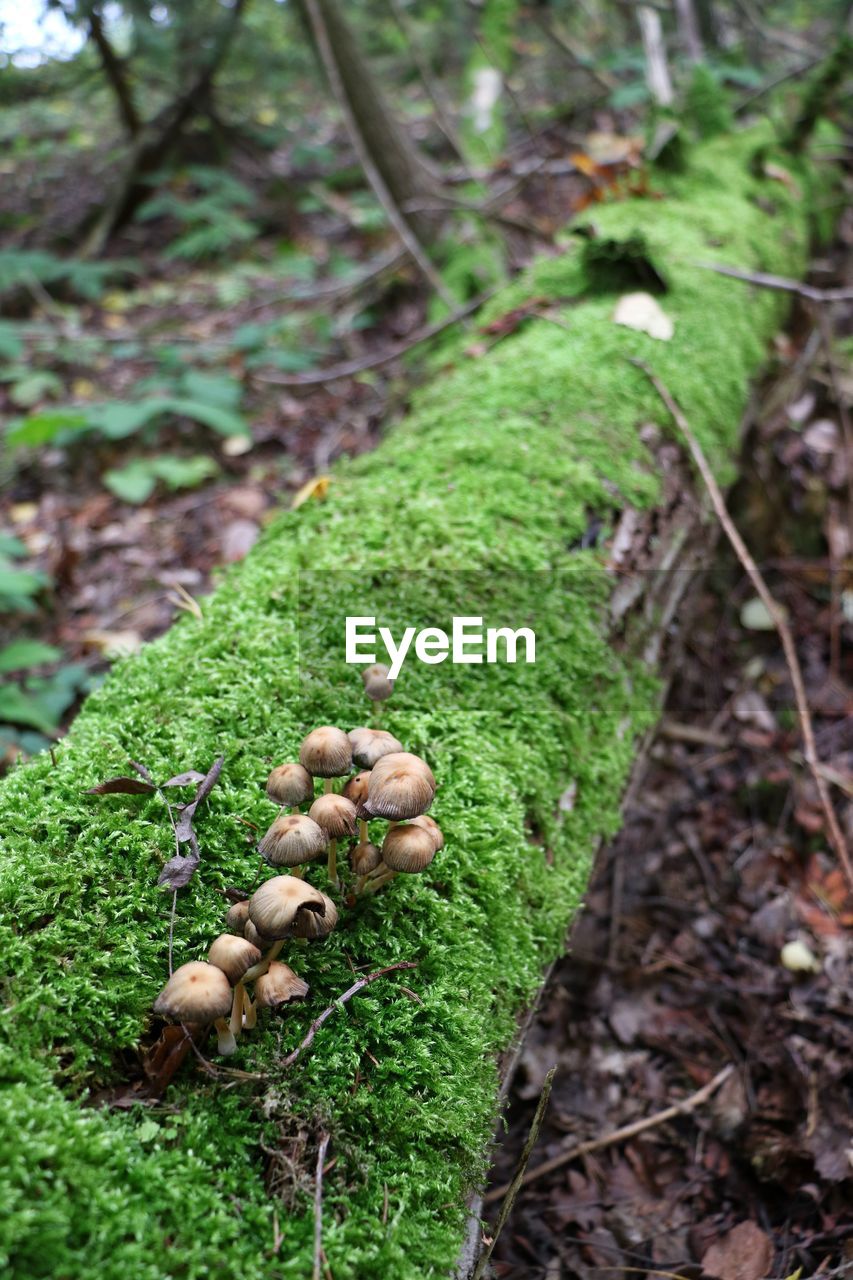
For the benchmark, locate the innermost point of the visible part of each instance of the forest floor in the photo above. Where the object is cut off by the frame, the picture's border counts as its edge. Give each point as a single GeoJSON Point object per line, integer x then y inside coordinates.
{"type": "Point", "coordinates": [676, 965]}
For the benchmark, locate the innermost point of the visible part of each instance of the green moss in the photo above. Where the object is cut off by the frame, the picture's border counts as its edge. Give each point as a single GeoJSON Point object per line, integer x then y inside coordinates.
{"type": "Point", "coordinates": [476, 503]}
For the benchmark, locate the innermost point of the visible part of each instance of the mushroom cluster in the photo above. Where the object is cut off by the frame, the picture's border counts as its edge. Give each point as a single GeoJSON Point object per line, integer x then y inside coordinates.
{"type": "Point", "coordinates": [382, 783]}
{"type": "Point", "coordinates": [215, 991]}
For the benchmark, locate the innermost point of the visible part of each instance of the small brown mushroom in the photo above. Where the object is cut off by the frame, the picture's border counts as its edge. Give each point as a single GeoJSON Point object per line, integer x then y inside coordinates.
{"type": "Point", "coordinates": [326, 753]}
{"type": "Point", "coordinates": [401, 786]}
{"type": "Point", "coordinates": [377, 686]}
{"type": "Point", "coordinates": [290, 785]}
{"type": "Point", "coordinates": [234, 956]}
{"type": "Point", "coordinates": [279, 985]}
{"type": "Point", "coordinates": [237, 916]}
{"type": "Point", "coordinates": [370, 745]}
{"type": "Point", "coordinates": [336, 815]}
{"type": "Point", "coordinates": [273, 910]}
{"type": "Point", "coordinates": [408, 848]}
{"type": "Point", "coordinates": [293, 840]}
{"type": "Point", "coordinates": [199, 993]}
{"type": "Point", "coordinates": [312, 926]}
{"type": "Point", "coordinates": [429, 824]}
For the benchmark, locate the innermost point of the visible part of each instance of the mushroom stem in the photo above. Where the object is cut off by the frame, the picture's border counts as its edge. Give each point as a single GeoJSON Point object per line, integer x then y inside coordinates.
{"type": "Point", "coordinates": [236, 1022]}
{"type": "Point", "coordinates": [333, 861]}
{"type": "Point", "coordinates": [227, 1044]}
{"type": "Point", "coordinates": [359, 885]}
{"type": "Point", "coordinates": [299, 872]}
{"type": "Point", "coordinates": [377, 882]}
{"type": "Point", "coordinates": [250, 1010]}
{"type": "Point", "coordinates": [328, 786]}
{"type": "Point", "coordinates": [262, 965]}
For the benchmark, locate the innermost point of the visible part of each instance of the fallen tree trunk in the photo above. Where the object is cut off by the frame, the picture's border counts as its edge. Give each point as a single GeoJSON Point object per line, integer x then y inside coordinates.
{"type": "Point", "coordinates": [533, 483]}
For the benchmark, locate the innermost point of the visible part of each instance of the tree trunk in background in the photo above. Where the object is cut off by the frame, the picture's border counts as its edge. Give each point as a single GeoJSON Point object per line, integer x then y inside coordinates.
{"type": "Point", "coordinates": [115, 72]}
{"type": "Point", "coordinates": [688, 30]}
{"type": "Point", "coordinates": [657, 69]}
{"type": "Point", "coordinates": [403, 170]}
{"type": "Point", "coordinates": [156, 140]}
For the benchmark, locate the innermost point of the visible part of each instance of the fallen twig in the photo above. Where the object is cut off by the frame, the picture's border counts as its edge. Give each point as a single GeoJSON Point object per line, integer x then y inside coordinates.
{"type": "Point", "coordinates": [341, 1000]}
{"type": "Point", "coordinates": [347, 368]}
{"type": "Point", "coordinates": [780, 283]}
{"type": "Point", "coordinates": [518, 1177]}
{"type": "Point", "coordinates": [780, 622]}
{"type": "Point", "coordinates": [617, 1135]}
{"type": "Point", "coordinates": [318, 1208]}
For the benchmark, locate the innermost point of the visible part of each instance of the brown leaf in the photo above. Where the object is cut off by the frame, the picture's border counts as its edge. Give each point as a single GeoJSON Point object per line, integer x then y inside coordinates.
{"type": "Point", "coordinates": [745, 1253]}
{"type": "Point", "coordinates": [183, 779]}
{"type": "Point", "coordinates": [122, 786]}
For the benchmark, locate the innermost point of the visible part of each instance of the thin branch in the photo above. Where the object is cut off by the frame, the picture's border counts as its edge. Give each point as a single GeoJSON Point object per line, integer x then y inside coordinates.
{"type": "Point", "coordinates": [435, 95]}
{"type": "Point", "coordinates": [341, 1000]}
{"type": "Point", "coordinates": [318, 1208]}
{"type": "Point", "coordinates": [347, 368]}
{"type": "Point", "coordinates": [374, 177]}
{"type": "Point", "coordinates": [618, 1135]}
{"type": "Point", "coordinates": [780, 622]}
{"type": "Point", "coordinates": [780, 283]}
{"type": "Point", "coordinates": [518, 1177]}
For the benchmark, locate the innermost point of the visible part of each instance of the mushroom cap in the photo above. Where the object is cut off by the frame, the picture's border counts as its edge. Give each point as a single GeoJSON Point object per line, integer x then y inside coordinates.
{"type": "Point", "coordinates": [278, 985]}
{"type": "Point", "coordinates": [274, 906]}
{"type": "Point", "coordinates": [377, 686]}
{"type": "Point", "coordinates": [408, 848]}
{"type": "Point", "coordinates": [356, 791]}
{"type": "Point", "coordinates": [257, 939]}
{"type": "Point", "coordinates": [364, 859]}
{"type": "Point", "coordinates": [326, 752]}
{"type": "Point", "coordinates": [290, 784]}
{"type": "Point", "coordinates": [370, 745]}
{"type": "Point", "coordinates": [196, 992]}
{"type": "Point", "coordinates": [293, 839]}
{"type": "Point", "coordinates": [429, 824]}
{"type": "Point", "coordinates": [233, 956]}
{"type": "Point", "coordinates": [335, 814]}
{"type": "Point", "coordinates": [309, 925]}
{"type": "Point", "coordinates": [401, 786]}
{"type": "Point", "coordinates": [237, 915]}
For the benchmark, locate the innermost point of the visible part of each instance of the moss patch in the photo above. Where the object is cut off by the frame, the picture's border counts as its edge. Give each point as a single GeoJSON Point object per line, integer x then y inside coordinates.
{"type": "Point", "coordinates": [477, 503]}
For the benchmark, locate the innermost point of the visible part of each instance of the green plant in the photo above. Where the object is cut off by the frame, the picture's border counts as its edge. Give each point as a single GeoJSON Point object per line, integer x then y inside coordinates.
{"type": "Point", "coordinates": [18, 587]}
{"type": "Point", "coordinates": [23, 268]}
{"type": "Point", "coordinates": [207, 203]}
{"type": "Point", "coordinates": [137, 481]}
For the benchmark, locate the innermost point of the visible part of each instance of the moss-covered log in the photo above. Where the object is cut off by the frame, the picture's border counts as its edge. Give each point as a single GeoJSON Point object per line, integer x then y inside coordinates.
{"type": "Point", "coordinates": [496, 497]}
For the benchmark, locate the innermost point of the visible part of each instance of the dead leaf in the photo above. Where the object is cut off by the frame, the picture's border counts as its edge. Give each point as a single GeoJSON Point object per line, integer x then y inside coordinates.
{"type": "Point", "coordinates": [238, 538]}
{"type": "Point", "coordinates": [644, 313]}
{"type": "Point", "coordinates": [179, 870]}
{"type": "Point", "coordinates": [114, 644]}
{"type": "Point", "coordinates": [183, 779]}
{"type": "Point", "coordinates": [317, 488]}
{"type": "Point", "coordinates": [122, 786]}
{"type": "Point", "coordinates": [745, 1253]}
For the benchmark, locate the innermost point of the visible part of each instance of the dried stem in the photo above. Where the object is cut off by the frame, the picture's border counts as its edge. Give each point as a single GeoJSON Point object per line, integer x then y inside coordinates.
{"type": "Point", "coordinates": [618, 1135]}
{"type": "Point", "coordinates": [341, 1000]}
{"type": "Point", "coordinates": [318, 1208]}
{"type": "Point", "coordinates": [780, 622]}
{"type": "Point", "coordinates": [518, 1177]}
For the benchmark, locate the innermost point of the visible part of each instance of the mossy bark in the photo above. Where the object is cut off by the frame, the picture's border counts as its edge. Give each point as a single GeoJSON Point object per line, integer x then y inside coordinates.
{"type": "Point", "coordinates": [497, 496]}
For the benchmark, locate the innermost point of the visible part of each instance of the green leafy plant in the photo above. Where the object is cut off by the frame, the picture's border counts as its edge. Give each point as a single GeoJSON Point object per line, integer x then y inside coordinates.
{"type": "Point", "coordinates": [21, 268]}
{"type": "Point", "coordinates": [136, 482]}
{"type": "Point", "coordinates": [18, 587]}
{"type": "Point", "coordinates": [207, 204]}
{"type": "Point", "coordinates": [206, 398]}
